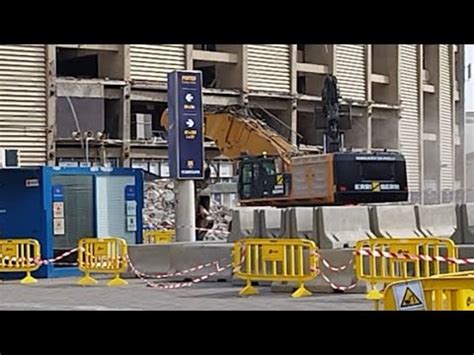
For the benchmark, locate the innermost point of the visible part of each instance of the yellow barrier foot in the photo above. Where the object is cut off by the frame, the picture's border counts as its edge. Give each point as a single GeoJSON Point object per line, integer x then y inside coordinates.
{"type": "Point", "coordinates": [117, 281]}
{"type": "Point", "coordinates": [374, 295]}
{"type": "Point", "coordinates": [301, 292]}
{"type": "Point", "coordinates": [248, 290]}
{"type": "Point", "coordinates": [87, 280]}
{"type": "Point", "coordinates": [28, 279]}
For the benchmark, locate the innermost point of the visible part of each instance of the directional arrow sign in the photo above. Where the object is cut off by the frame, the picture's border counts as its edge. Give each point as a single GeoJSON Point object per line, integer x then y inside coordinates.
{"type": "Point", "coordinates": [189, 123]}
{"type": "Point", "coordinates": [189, 97]}
{"type": "Point", "coordinates": [185, 138]}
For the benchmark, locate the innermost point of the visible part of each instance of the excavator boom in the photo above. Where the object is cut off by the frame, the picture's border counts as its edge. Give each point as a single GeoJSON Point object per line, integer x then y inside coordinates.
{"type": "Point", "coordinates": [236, 134]}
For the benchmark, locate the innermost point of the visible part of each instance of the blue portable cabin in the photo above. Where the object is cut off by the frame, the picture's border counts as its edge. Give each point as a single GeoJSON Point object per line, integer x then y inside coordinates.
{"type": "Point", "coordinates": [59, 205]}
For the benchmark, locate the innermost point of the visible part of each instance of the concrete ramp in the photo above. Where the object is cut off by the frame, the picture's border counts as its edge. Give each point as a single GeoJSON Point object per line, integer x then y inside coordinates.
{"type": "Point", "coordinates": [245, 223]}
{"type": "Point", "coordinates": [397, 221]}
{"type": "Point", "coordinates": [437, 220]}
{"type": "Point", "coordinates": [342, 226]}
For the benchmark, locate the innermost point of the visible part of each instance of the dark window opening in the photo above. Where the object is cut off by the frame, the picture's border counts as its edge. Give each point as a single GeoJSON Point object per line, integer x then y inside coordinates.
{"type": "Point", "coordinates": [71, 64]}
{"type": "Point", "coordinates": [377, 170]}
{"type": "Point", "coordinates": [146, 121]}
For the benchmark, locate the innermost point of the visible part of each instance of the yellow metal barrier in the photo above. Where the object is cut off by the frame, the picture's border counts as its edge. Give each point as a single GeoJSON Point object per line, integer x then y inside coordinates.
{"type": "Point", "coordinates": [105, 255]}
{"type": "Point", "coordinates": [453, 292]}
{"type": "Point", "coordinates": [20, 255]}
{"type": "Point", "coordinates": [275, 260]}
{"type": "Point", "coordinates": [375, 269]}
{"type": "Point", "coordinates": [158, 236]}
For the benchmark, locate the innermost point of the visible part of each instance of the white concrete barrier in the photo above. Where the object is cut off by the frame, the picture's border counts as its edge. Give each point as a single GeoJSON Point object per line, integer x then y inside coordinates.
{"type": "Point", "coordinates": [245, 223]}
{"type": "Point", "coordinates": [342, 226]}
{"type": "Point", "coordinates": [395, 221]}
{"type": "Point", "coordinates": [436, 220]}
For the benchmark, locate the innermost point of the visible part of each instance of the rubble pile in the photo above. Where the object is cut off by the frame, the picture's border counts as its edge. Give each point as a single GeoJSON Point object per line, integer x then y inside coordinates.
{"type": "Point", "coordinates": [159, 212]}
{"type": "Point", "coordinates": [218, 219]}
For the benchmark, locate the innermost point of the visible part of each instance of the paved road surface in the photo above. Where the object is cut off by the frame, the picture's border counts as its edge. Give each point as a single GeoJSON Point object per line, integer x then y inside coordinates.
{"type": "Point", "coordinates": [64, 294]}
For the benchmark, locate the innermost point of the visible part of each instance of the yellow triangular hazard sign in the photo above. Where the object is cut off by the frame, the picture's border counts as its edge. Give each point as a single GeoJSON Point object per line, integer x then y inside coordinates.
{"type": "Point", "coordinates": [410, 299]}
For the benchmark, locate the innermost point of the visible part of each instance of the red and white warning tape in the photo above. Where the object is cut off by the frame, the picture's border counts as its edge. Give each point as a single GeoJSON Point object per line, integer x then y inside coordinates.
{"type": "Point", "coordinates": [174, 285]}
{"type": "Point", "coordinates": [188, 284]}
{"type": "Point", "coordinates": [337, 287]}
{"type": "Point", "coordinates": [56, 259]}
{"type": "Point", "coordinates": [335, 268]}
{"type": "Point", "coordinates": [406, 256]}
{"type": "Point", "coordinates": [196, 228]}
{"type": "Point", "coordinates": [39, 261]}
{"type": "Point", "coordinates": [178, 273]}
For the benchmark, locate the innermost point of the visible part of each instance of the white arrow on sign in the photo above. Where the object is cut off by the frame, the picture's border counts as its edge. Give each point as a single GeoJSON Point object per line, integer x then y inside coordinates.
{"type": "Point", "coordinates": [189, 97]}
{"type": "Point", "coordinates": [189, 123]}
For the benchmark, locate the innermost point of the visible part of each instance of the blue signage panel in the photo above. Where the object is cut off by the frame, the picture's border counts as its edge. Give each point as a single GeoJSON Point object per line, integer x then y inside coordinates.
{"type": "Point", "coordinates": [58, 193]}
{"type": "Point", "coordinates": [185, 127]}
{"type": "Point", "coordinates": [130, 193]}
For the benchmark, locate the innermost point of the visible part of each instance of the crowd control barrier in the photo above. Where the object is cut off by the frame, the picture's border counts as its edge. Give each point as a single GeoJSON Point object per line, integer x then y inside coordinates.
{"type": "Point", "coordinates": [104, 255]}
{"type": "Point", "coordinates": [262, 259]}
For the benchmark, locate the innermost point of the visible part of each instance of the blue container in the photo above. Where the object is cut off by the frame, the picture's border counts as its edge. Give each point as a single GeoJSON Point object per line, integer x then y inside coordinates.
{"type": "Point", "coordinates": [59, 205]}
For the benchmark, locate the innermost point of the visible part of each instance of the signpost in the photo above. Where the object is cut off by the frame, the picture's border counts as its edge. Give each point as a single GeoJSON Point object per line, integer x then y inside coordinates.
{"type": "Point", "coordinates": [185, 145]}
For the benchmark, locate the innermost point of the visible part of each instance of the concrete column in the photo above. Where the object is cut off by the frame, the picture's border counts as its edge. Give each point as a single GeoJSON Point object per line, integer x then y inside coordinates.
{"type": "Point", "coordinates": [185, 211]}
{"type": "Point", "coordinates": [51, 104]}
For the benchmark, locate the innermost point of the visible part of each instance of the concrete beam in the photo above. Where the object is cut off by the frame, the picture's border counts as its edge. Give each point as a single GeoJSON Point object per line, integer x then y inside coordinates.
{"type": "Point", "coordinates": [218, 57]}
{"type": "Point", "coordinates": [125, 125]}
{"type": "Point", "coordinates": [113, 93]}
{"type": "Point", "coordinates": [160, 151]}
{"type": "Point", "coordinates": [312, 68]}
{"type": "Point", "coordinates": [429, 88]}
{"type": "Point", "coordinates": [74, 150]}
{"type": "Point", "coordinates": [380, 79]}
{"type": "Point", "coordinates": [104, 82]}
{"type": "Point", "coordinates": [94, 47]}
{"type": "Point", "coordinates": [432, 137]}
{"type": "Point", "coordinates": [269, 104]}
{"type": "Point", "coordinates": [75, 88]}
{"type": "Point", "coordinates": [215, 99]}
{"type": "Point", "coordinates": [51, 105]}
{"type": "Point", "coordinates": [153, 96]}
{"type": "Point", "coordinates": [221, 100]}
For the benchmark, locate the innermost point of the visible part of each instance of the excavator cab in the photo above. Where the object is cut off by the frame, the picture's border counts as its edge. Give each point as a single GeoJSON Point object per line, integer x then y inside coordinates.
{"type": "Point", "coordinates": [261, 177]}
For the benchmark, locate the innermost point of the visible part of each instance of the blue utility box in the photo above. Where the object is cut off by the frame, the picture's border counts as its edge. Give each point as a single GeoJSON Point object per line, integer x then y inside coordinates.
{"type": "Point", "coordinates": [59, 205]}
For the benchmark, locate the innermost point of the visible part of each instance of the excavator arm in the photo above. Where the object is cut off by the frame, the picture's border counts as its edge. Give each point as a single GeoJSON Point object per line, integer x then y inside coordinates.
{"type": "Point", "coordinates": [236, 134]}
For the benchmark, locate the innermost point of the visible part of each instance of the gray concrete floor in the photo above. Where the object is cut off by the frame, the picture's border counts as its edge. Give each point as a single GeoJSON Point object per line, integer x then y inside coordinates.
{"type": "Point", "coordinates": [65, 294]}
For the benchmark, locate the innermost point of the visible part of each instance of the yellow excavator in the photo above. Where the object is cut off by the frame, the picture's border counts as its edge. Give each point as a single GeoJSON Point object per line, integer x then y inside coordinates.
{"type": "Point", "coordinates": [272, 172]}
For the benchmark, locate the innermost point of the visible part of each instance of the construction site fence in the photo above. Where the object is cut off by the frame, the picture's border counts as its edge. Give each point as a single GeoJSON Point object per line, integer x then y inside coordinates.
{"type": "Point", "coordinates": [158, 236]}
{"type": "Point", "coordinates": [102, 255]}
{"type": "Point", "coordinates": [290, 260]}
{"type": "Point", "coordinates": [20, 255]}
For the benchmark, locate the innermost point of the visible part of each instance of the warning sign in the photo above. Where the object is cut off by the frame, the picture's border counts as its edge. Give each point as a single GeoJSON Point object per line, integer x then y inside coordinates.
{"type": "Point", "coordinates": [410, 299]}
{"type": "Point", "coordinates": [272, 252]}
{"type": "Point", "coordinates": [409, 296]}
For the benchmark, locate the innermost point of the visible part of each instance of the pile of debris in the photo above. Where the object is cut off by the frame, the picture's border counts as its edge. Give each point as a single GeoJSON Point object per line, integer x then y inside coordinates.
{"type": "Point", "coordinates": [217, 222]}
{"type": "Point", "coordinates": [159, 212]}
